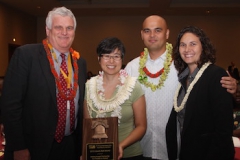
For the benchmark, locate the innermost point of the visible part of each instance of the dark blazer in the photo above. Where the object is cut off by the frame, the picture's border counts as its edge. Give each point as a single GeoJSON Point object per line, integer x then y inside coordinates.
{"type": "Point", "coordinates": [29, 105]}
{"type": "Point", "coordinates": [208, 122]}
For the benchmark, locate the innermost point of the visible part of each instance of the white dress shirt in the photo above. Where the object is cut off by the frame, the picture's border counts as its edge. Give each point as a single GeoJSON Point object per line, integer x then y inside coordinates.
{"type": "Point", "coordinates": [158, 106]}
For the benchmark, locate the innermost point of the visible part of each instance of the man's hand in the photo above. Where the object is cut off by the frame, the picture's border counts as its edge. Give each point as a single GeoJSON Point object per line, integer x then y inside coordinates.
{"type": "Point", "coordinates": [229, 83]}
{"type": "Point", "coordinates": [22, 155]}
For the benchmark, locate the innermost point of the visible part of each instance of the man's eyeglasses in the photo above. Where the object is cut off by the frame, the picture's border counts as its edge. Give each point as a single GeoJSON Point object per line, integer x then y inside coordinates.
{"type": "Point", "coordinates": [108, 57]}
{"type": "Point", "coordinates": [60, 28]}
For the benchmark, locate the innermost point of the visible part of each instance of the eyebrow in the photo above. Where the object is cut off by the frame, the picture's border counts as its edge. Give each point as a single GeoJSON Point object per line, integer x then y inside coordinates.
{"type": "Point", "coordinates": [116, 53]}
{"type": "Point", "coordinates": [189, 42]}
{"type": "Point", "coordinates": [152, 29]}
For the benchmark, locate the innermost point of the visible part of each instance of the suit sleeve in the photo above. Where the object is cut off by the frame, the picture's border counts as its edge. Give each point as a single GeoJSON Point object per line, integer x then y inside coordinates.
{"type": "Point", "coordinates": [221, 101]}
{"type": "Point", "coordinates": [14, 89]}
{"type": "Point", "coordinates": [82, 80]}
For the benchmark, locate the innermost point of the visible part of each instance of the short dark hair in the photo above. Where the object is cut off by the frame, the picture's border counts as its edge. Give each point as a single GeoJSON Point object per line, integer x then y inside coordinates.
{"type": "Point", "coordinates": [208, 50]}
{"type": "Point", "coordinates": [108, 45]}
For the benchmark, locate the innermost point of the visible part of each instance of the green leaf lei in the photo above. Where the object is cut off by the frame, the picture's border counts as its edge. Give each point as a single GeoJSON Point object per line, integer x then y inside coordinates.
{"type": "Point", "coordinates": [143, 79]}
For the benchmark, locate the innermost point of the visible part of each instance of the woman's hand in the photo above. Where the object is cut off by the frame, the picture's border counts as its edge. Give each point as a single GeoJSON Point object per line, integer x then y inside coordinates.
{"type": "Point", "coordinates": [120, 151]}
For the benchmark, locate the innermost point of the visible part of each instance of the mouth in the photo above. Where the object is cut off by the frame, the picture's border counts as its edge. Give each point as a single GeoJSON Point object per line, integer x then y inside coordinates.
{"type": "Point", "coordinates": [152, 41]}
{"type": "Point", "coordinates": [188, 55]}
{"type": "Point", "coordinates": [63, 38]}
{"type": "Point", "coordinates": [111, 67]}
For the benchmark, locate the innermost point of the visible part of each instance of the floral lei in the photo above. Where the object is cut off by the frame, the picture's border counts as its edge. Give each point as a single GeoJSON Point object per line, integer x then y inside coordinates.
{"type": "Point", "coordinates": [75, 55]}
{"type": "Point", "coordinates": [199, 74]}
{"type": "Point", "coordinates": [95, 95]}
{"type": "Point", "coordinates": [163, 73]}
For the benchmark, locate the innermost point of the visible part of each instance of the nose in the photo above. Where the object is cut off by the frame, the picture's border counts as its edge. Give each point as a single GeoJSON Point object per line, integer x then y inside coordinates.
{"type": "Point", "coordinates": [152, 33]}
{"type": "Point", "coordinates": [64, 31]}
{"type": "Point", "coordinates": [111, 58]}
{"type": "Point", "coordinates": [187, 48]}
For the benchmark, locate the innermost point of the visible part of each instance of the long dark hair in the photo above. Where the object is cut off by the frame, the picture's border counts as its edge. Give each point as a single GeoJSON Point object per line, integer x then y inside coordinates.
{"type": "Point", "coordinates": [208, 50]}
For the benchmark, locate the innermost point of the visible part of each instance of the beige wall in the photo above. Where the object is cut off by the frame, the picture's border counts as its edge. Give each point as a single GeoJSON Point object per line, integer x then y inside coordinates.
{"type": "Point", "coordinates": [91, 30]}
{"type": "Point", "coordinates": [14, 24]}
{"type": "Point", "coordinates": [222, 30]}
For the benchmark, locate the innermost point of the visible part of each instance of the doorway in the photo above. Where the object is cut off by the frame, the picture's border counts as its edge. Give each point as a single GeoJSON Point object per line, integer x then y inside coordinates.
{"type": "Point", "coordinates": [11, 49]}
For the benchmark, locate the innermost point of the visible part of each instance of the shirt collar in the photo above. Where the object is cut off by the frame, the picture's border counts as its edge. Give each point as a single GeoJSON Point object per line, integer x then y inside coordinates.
{"type": "Point", "coordinates": [162, 57]}
{"type": "Point", "coordinates": [186, 72]}
{"type": "Point", "coordinates": [58, 54]}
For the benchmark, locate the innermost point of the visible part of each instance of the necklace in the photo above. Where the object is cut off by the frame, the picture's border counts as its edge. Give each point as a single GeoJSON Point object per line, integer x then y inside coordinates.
{"type": "Point", "coordinates": [155, 75]}
{"type": "Point", "coordinates": [163, 73]}
{"type": "Point", "coordinates": [100, 90]}
{"type": "Point", "coordinates": [95, 95]}
{"type": "Point", "coordinates": [75, 55]}
{"type": "Point", "coordinates": [199, 74]}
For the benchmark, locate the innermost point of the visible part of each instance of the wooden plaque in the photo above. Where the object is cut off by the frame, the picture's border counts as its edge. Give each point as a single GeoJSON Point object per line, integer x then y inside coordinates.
{"type": "Point", "coordinates": [100, 138]}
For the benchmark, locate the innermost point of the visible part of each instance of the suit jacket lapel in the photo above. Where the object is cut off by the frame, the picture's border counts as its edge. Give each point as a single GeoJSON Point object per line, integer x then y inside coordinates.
{"type": "Point", "coordinates": [190, 106]}
{"type": "Point", "coordinates": [48, 74]}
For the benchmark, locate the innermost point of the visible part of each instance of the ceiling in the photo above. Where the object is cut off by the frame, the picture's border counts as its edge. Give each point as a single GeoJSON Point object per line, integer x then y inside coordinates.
{"type": "Point", "coordinates": [129, 7]}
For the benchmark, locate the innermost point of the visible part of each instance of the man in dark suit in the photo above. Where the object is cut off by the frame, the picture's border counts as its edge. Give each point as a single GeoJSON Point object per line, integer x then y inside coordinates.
{"type": "Point", "coordinates": [36, 87]}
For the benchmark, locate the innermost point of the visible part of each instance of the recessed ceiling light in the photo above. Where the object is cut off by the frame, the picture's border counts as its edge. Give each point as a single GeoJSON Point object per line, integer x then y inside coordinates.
{"type": "Point", "coordinates": [207, 11]}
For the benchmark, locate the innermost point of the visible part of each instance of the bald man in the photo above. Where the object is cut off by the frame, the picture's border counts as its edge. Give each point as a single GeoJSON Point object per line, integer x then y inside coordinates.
{"type": "Point", "coordinates": [158, 77]}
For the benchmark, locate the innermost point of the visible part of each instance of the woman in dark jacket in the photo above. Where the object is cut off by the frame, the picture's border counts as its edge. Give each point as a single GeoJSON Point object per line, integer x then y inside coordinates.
{"type": "Point", "coordinates": [201, 123]}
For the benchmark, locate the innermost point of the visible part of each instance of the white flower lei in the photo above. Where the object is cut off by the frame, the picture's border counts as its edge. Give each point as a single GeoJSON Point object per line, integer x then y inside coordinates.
{"type": "Point", "coordinates": [199, 74]}
{"type": "Point", "coordinates": [95, 95]}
